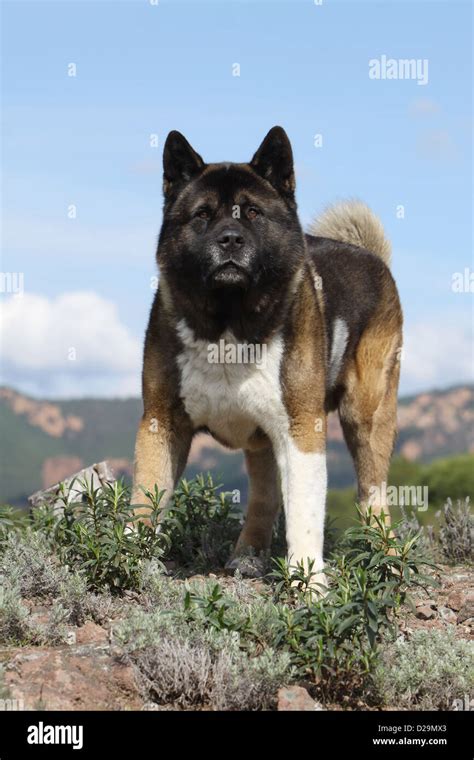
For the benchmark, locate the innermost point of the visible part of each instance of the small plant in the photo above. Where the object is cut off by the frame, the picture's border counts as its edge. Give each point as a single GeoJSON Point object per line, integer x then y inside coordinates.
{"type": "Point", "coordinates": [6, 520]}
{"type": "Point", "coordinates": [202, 525]}
{"type": "Point", "coordinates": [10, 519]}
{"type": "Point", "coordinates": [192, 674]}
{"type": "Point", "coordinates": [208, 647]}
{"type": "Point", "coordinates": [28, 563]}
{"type": "Point", "coordinates": [456, 532]}
{"type": "Point", "coordinates": [18, 627]}
{"type": "Point", "coordinates": [103, 538]}
{"type": "Point", "coordinates": [426, 672]}
{"type": "Point", "coordinates": [81, 604]}
{"type": "Point", "coordinates": [14, 618]}
{"type": "Point", "coordinates": [451, 540]}
{"type": "Point", "coordinates": [213, 609]}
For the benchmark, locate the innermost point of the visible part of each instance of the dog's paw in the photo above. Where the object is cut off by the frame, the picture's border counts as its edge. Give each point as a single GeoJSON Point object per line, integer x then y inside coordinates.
{"type": "Point", "coordinates": [248, 565]}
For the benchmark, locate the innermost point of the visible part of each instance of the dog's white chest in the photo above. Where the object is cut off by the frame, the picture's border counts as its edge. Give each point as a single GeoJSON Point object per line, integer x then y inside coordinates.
{"type": "Point", "coordinates": [228, 393]}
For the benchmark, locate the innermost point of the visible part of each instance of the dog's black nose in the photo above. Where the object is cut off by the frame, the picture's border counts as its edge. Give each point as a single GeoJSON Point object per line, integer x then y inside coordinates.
{"type": "Point", "coordinates": [230, 240]}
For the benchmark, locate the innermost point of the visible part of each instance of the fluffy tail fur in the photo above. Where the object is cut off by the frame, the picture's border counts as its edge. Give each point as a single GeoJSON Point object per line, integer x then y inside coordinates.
{"type": "Point", "coordinates": [353, 222]}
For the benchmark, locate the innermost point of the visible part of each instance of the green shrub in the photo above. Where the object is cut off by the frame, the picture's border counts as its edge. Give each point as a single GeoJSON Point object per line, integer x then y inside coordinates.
{"type": "Point", "coordinates": [405, 472]}
{"type": "Point", "coordinates": [450, 477]}
{"type": "Point", "coordinates": [334, 639]}
{"type": "Point", "coordinates": [102, 537]}
{"type": "Point", "coordinates": [202, 525]}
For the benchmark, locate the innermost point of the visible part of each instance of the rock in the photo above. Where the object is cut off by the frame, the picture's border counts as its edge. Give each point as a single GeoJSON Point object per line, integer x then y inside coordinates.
{"type": "Point", "coordinates": [296, 698]}
{"type": "Point", "coordinates": [71, 678]}
{"type": "Point", "coordinates": [425, 612]}
{"type": "Point", "coordinates": [455, 599]}
{"type": "Point", "coordinates": [98, 474]}
{"type": "Point", "coordinates": [447, 614]}
{"type": "Point", "coordinates": [91, 633]}
{"type": "Point", "coordinates": [467, 609]}
{"type": "Point", "coordinates": [427, 603]}
{"type": "Point", "coordinates": [460, 577]}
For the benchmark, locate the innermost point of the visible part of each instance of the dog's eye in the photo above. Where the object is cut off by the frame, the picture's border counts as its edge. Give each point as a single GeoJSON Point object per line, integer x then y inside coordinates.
{"type": "Point", "coordinates": [203, 213]}
{"type": "Point", "coordinates": [253, 212]}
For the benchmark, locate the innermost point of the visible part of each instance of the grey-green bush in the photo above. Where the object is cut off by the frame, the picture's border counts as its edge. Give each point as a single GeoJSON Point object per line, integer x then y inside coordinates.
{"type": "Point", "coordinates": [426, 672]}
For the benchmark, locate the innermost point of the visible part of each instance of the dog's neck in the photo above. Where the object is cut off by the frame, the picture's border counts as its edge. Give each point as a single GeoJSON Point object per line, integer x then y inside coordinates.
{"type": "Point", "coordinates": [252, 317]}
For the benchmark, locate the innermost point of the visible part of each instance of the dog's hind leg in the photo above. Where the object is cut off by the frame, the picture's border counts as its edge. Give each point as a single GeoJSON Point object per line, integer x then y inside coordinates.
{"type": "Point", "coordinates": [264, 502]}
{"type": "Point", "coordinates": [368, 409]}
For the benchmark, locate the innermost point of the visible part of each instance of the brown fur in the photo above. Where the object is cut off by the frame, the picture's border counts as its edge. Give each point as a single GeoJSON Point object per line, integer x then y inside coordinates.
{"type": "Point", "coordinates": [368, 407]}
{"type": "Point", "coordinates": [304, 369]}
{"type": "Point", "coordinates": [264, 501]}
{"type": "Point", "coordinates": [165, 431]}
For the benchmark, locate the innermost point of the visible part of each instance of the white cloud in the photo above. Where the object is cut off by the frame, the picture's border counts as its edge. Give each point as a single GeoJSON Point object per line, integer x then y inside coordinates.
{"type": "Point", "coordinates": [73, 345]}
{"type": "Point", "coordinates": [436, 355]}
{"type": "Point", "coordinates": [37, 335]}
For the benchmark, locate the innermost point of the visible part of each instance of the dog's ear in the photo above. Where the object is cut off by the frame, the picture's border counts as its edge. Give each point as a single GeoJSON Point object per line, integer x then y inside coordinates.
{"type": "Point", "coordinates": [180, 164]}
{"type": "Point", "coordinates": [274, 162]}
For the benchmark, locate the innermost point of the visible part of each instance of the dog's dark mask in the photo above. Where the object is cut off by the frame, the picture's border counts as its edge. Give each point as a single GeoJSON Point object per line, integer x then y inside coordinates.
{"type": "Point", "coordinates": [231, 240]}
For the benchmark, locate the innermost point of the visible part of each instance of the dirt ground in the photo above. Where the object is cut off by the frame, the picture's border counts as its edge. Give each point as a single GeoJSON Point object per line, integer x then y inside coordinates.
{"type": "Point", "coordinates": [87, 674]}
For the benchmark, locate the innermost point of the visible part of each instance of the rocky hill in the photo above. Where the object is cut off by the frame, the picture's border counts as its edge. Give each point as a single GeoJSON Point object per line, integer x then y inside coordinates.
{"type": "Point", "coordinates": [45, 441]}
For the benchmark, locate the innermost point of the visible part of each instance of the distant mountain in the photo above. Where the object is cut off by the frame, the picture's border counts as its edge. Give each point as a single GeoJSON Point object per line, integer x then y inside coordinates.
{"type": "Point", "coordinates": [45, 441]}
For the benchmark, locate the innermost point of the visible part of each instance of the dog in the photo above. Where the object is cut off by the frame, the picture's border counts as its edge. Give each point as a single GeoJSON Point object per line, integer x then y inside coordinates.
{"type": "Point", "coordinates": [236, 270]}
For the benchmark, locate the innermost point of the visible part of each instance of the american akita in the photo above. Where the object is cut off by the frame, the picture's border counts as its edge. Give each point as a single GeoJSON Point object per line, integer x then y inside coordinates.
{"type": "Point", "coordinates": [235, 266]}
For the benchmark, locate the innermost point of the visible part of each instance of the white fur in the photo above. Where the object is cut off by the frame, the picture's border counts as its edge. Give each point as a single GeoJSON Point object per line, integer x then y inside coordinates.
{"type": "Point", "coordinates": [232, 400]}
{"type": "Point", "coordinates": [339, 343]}
{"type": "Point", "coordinates": [304, 483]}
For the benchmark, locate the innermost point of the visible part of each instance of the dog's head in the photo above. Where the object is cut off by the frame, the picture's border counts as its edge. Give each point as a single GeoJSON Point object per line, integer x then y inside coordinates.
{"type": "Point", "coordinates": [231, 239]}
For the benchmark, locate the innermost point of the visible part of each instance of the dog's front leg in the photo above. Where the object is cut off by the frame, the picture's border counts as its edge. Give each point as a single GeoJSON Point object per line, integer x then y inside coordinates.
{"type": "Point", "coordinates": [301, 458]}
{"type": "Point", "coordinates": [161, 451]}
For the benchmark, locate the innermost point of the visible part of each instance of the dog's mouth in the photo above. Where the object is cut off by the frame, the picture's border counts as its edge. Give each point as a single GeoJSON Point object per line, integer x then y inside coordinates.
{"type": "Point", "coordinates": [229, 274]}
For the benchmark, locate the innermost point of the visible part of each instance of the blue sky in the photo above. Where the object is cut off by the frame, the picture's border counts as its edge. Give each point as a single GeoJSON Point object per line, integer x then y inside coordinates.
{"type": "Point", "coordinates": [144, 69]}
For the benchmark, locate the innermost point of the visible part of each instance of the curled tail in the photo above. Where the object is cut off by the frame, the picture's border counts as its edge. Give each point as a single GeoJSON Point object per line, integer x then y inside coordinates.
{"type": "Point", "coordinates": [353, 222]}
